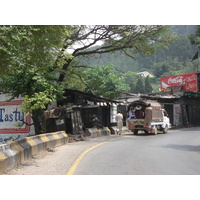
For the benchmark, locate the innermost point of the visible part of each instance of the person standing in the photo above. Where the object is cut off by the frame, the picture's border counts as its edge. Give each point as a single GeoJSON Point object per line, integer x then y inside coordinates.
{"type": "Point", "coordinates": [131, 114]}
{"type": "Point", "coordinates": [119, 118]}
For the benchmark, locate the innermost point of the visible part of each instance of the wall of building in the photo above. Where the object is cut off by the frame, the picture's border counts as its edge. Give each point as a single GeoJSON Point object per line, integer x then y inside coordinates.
{"type": "Point", "coordinates": [11, 120]}
{"type": "Point", "coordinates": [191, 111]}
{"type": "Point", "coordinates": [183, 111]}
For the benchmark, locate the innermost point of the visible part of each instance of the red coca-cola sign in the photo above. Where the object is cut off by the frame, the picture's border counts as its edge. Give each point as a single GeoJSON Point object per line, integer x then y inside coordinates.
{"type": "Point", "coordinates": [187, 81]}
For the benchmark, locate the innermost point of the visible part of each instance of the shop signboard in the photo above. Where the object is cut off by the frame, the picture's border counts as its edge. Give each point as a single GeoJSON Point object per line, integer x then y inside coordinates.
{"type": "Point", "coordinates": [188, 82]}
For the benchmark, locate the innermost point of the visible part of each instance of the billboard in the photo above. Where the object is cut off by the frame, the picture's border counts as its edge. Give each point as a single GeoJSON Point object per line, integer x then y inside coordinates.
{"type": "Point", "coordinates": [10, 115]}
{"type": "Point", "coordinates": [14, 123]}
{"type": "Point", "coordinates": [188, 82]}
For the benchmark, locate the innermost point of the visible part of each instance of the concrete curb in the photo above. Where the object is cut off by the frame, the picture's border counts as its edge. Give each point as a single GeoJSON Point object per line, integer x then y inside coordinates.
{"type": "Point", "coordinates": [113, 130]}
{"type": "Point", "coordinates": [94, 132]}
{"type": "Point", "coordinates": [16, 152]}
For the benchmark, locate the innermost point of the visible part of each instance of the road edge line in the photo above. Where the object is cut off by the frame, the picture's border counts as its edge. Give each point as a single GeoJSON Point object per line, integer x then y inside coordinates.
{"type": "Point", "coordinates": [80, 157]}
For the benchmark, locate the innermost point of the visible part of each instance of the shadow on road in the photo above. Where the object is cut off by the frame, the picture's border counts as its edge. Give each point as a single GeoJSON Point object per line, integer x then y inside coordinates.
{"type": "Point", "coordinates": [144, 134]}
{"type": "Point", "coordinates": [139, 134]}
{"type": "Point", "coordinates": [183, 147]}
{"type": "Point", "coordinates": [194, 128]}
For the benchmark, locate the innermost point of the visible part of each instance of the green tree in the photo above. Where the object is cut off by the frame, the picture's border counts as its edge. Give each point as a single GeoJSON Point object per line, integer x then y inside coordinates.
{"type": "Point", "coordinates": [195, 38]}
{"type": "Point", "coordinates": [139, 88]}
{"type": "Point", "coordinates": [28, 54]}
{"type": "Point", "coordinates": [36, 60]}
{"type": "Point", "coordinates": [23, 47]}
{"type": "Point", "coordinates": [130, 40]}
{"type": "Point", "coordinates": [161, 69]}
{"type": "Point", "coordinates": [176, 55]}
{"type": "Point", "coordinates": [104, 81]}
{"type": "Point", "coordinates": [130, 79]}
{"type": "Point", "coordinates": [148, 87]}
{"type": "Point", "coordinates": [181, 49]}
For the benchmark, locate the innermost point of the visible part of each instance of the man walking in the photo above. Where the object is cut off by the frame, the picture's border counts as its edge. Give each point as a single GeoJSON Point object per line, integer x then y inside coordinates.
{"type": "Point", "coordinates": [119, 119]}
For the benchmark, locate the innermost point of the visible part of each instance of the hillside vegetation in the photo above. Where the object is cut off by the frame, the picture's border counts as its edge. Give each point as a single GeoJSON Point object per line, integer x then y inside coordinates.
{"type": "Point", "coordinates": [165, 62]}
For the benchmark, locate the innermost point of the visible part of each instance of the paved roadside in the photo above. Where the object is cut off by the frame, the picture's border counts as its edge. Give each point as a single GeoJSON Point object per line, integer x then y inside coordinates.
{"type": "Point", "coordinates": [58, 161]}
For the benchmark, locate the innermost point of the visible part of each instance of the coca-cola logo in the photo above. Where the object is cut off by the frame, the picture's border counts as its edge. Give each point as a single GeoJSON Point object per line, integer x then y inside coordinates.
{"type": "Point", "coordinates": [191, 86]}
{"type": "Point", "coordinates": [178, 79]}
{"type": "Point", "coordinates": [191, 78]}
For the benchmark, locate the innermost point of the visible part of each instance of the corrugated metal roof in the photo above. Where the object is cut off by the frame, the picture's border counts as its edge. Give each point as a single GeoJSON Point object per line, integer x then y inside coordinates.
{"type": "Point", "coordinates": [90, 97]}
{"type": "Point", "coordinates": [145, 103]}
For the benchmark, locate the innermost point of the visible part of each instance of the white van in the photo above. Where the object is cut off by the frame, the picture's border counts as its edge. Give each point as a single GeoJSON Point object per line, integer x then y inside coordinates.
{"type": "Point", "coordinates": [147, 116]}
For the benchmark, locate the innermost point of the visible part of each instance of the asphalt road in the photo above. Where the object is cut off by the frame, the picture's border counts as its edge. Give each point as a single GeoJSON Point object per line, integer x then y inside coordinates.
{"type": "Point", "coordinates": [174, 153]}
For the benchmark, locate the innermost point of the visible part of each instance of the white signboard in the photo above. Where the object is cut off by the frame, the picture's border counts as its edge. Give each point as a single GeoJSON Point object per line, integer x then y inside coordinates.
{"type": "Point", "coordinates": [14, 124]}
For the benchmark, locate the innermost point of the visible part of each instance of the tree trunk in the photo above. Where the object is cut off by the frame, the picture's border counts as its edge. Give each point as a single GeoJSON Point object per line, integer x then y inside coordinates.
{"type": "Point", "coordinates": [38, 120]}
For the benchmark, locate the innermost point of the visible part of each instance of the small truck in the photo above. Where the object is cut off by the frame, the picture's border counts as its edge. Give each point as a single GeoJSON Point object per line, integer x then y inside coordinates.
{"type": "Point", "coordinates": [147, 116]}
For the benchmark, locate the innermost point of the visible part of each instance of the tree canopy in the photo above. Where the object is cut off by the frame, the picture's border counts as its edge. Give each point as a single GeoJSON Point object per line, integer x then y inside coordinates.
{"type": "Point", "coordinates": [127, 39]}
{"type": "Point", "coordinates": [104, 81]}
{"type": "Point", "coordinates": [28, 54]}
{"type": "Point", "coordinates": [36, 60]}
{"type": "Point", "coordinates": [164, 62]}
{"type": "Point", "coordinates": [195, 38]}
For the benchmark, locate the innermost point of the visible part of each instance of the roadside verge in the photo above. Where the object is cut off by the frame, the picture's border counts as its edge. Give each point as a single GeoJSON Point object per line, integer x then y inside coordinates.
{"type": "Point", "coordinates": [16, 152]}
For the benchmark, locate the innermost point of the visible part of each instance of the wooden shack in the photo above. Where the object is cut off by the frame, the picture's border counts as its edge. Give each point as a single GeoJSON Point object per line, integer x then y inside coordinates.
{"type": "Point", "coordinates": [75, 113]}
{"type": "Point", "coordinates": [183, 107]}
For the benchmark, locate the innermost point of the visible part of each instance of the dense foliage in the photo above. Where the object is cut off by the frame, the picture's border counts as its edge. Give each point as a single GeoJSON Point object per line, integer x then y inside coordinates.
{"type": "Point", "coordinates": [164, 62]}
{"type": "Point", "coordinates": [103, 80]}
{"type": "Point", "coordinates": [28, 54]}
{"type": "Point", "coordinates": [39, 62]}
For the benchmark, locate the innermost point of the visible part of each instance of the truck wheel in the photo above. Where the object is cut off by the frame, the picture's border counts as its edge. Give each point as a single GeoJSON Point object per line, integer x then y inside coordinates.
{"type": "Point", "coordinates": [135, 132]}
{"type": "Point", "coordinates": [155, 131]}
{"type": "Point", "coordinates": [165, 130]}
